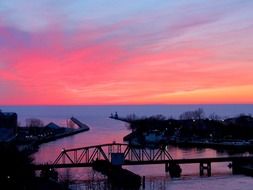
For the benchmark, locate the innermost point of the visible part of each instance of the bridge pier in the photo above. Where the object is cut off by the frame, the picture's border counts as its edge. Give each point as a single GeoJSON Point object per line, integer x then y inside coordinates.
{"type": "Point", "coordinates": [235, 167]}
{"type": "Point", "coordinates": [119, 177]}
{"type": "Point", "coordinates": [205, 166]}
{"type": "Point", "coordinates": [166, 167]}
{"type": "Point", "coordinates": [174, 169]}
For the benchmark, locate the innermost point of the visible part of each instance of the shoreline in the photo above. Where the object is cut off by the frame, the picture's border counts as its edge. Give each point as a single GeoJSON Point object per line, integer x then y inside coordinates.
{"type": "Point", "coordinates": [235, 145]}
{"type": "Point", "coordinates": [231, 133]}
{"type": "Point", "coordinates": [61, 135]}
{"type": "Point", "coordinates": [31, 145]}
{"type": "Point", "coordinates": [200, 144]}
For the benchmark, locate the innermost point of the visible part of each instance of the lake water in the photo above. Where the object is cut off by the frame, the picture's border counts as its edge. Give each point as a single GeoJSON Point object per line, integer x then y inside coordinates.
{"type": "Point", "coordinates": [105, 130]}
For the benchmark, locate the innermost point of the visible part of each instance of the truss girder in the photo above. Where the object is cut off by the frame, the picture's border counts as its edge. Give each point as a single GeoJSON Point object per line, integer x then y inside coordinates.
{"type": "Point", "coordinates": [104, 152]}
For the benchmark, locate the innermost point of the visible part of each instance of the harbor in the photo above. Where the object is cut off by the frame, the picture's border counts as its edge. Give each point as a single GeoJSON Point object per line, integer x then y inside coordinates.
{"type": "Point", "coordinates": [110, 131]}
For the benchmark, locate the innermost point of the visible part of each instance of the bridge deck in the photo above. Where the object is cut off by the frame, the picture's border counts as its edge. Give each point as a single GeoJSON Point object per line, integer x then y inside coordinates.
{"type": "Point", "coordinates": [124, 154]}
{"type": "Point", "coordinates": [177, 161]}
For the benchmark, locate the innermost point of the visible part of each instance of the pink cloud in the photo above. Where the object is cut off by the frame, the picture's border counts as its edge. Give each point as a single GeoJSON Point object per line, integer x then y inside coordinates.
{"type": "Point", "coordinates": [113, 65]}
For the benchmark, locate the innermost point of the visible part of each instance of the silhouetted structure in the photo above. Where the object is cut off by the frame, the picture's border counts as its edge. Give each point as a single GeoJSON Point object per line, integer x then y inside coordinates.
{"type": "Point", "coordinates": [106, 156]}
{"type": "Point", "coordinates": [8, 120]}
{"type": "Point", "coordinates": [8, 126]}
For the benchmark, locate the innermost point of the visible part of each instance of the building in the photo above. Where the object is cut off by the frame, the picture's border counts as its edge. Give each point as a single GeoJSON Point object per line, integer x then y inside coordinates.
{"type": "Point", "coordinates": [8, 126]}
{"type": "Point", "coordinates": [8, 120]}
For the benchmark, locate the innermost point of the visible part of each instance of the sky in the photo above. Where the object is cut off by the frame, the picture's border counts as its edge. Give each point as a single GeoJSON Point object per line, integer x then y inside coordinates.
{"type": "Point", "coordinates": [98, 52]}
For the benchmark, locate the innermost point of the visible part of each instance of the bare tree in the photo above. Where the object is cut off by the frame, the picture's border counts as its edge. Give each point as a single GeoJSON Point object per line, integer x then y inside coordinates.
{"type": "Point", "coordinates": [214, 116]}
{"type": "Point", "coordinates": [199, 113]}
{"type": "Point", "coordinates": [159, 117]}
{"type": "Point", "coordinates": [34, 122]}
{"type": "Point", "coordinates": [195, 114]}
{"type": "Point", "coordinates": [131, 117]}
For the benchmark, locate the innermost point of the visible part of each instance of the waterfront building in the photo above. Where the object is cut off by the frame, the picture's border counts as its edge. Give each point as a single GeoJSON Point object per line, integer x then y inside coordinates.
{"type": "Point", "coordinates": [8, 126]}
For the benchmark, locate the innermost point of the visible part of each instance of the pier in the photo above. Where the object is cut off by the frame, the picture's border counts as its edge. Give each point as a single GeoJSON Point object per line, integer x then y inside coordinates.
{"type": "Point", "coordinates": [124, 154]}
{"type": "Point", "coordinates": [116, 117]}
{"type": "Point", "coordinates": [81, 125]}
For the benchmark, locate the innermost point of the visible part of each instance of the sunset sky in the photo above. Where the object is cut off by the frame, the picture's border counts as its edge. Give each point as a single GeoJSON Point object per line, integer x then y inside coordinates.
{"type": "Point", "coordinates": [126, 52]}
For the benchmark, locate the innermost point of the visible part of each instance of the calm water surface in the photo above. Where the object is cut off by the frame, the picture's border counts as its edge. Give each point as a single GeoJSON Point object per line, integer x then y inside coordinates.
{"type": "Point", "coordinates": [105, 130]}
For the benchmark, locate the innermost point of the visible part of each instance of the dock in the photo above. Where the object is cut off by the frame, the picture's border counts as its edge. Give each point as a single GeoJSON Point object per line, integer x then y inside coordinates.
{"type": "Point", "coordinates": [68, 131]}
{"type": "Point", "coordinates": [50, 132]}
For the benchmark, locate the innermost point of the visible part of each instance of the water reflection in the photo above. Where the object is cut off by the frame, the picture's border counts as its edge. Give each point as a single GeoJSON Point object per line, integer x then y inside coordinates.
{"type": "Point", "coordinates": [104, 130]}
{"type": "Point", "coordinates": [165, 183]}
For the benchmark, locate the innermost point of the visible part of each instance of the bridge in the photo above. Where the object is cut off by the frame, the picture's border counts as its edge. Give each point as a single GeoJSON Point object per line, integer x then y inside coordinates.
{"type": "Point", "coordinates": [124, 154]}
{"type": "Point", "coordinates": [85, 156]}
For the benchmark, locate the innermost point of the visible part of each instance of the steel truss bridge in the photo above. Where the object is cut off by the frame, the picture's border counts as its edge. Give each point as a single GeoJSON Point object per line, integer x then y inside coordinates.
{"type": "Point", "coordinates": [85, 156]}
{"type": "Point", "coordinates": [132, 155]}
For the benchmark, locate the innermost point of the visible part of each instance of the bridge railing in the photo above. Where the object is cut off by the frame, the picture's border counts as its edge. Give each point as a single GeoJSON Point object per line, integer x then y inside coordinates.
{"type": "Point", "coordinates": [144, 154]}
{"type": "Point", "coordinates": [86, 155]}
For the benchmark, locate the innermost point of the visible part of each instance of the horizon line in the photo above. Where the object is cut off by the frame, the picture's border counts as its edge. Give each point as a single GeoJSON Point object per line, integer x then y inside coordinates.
{"type": "Point", "coordinates": [151, 104]}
